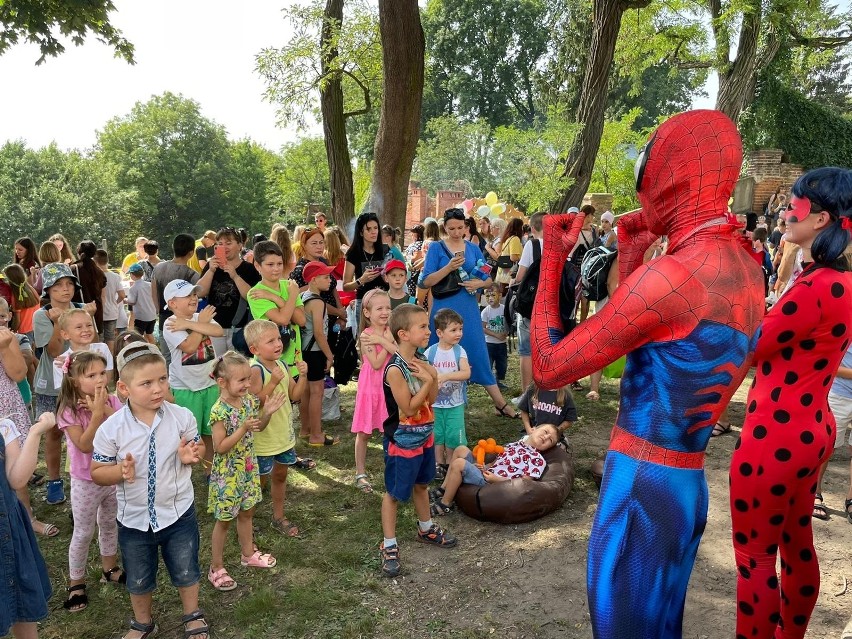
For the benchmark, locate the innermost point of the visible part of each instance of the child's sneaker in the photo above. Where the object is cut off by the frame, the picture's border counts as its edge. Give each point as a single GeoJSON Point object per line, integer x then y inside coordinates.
{"type": "Point", "coordinates": [390, 560]}
{"type": "Point", "coordinates": [436, 536]}
{"type": "Point", "coordinates": [438, 508]}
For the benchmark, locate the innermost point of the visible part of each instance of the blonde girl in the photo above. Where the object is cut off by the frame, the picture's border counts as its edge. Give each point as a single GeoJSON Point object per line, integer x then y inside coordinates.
{"type": "Point", "coordinates": [25, 300]}
{"type": "Point", "coordinates": [234, 488]}
{"type": "Point", "coordinates": [84, 404]}
{"type": "Point", "coordinates": [377, 345]}
{"type": "Point", "coordinates": [281, 236]}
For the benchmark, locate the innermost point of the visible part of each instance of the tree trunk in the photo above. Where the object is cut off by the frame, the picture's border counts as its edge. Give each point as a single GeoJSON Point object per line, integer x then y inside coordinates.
{"type": "Point", "coordinates": [334, 121]}
{"type": "Point", "coordinates": [399, 124]}
{"type": "Point", "coordinates": [737, 82]}
{"type": "Point", "coordinates": [593, 97]}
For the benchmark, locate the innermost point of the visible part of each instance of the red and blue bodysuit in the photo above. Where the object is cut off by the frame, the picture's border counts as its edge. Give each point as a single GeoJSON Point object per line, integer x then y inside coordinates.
{"type": "Point", "coordinates": [687, 322]}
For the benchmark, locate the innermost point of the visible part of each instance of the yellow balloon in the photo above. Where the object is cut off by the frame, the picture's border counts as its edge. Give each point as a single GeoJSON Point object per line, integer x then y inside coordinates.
{"type": "Point", "coordinates": [491, 198]}
{"type": "Point", "coordinates": [497, 209]}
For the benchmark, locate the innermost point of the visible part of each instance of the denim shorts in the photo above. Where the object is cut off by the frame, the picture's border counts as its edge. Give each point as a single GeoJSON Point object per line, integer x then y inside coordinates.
{"type": "Point", "coordinates": [178, 544]}
{"type": "Point", "coordinates": [266, 462]}
{"type": "Point", "coordinates": [471, 474]}
{"type": "Point", "coordinates": [524, 337]}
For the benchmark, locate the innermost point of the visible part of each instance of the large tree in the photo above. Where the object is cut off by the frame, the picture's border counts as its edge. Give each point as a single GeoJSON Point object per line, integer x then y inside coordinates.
{"type": "Point", "coordinates": [174, 158]}
{"type": "Point", "coordinates": [399, 127]}
{"type": "Point", "coordinates": [44, 22]}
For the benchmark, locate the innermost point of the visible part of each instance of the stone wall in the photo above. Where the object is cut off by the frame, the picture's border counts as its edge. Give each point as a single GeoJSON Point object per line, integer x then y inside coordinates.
{"type": "Point", "coordinates": [769, 171]}
{"type": "Point", "coordinates": [601, 201]}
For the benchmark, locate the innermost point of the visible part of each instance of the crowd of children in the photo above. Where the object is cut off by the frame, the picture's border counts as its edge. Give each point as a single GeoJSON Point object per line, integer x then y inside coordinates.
{"type": "Point", "coordinates": [131, 451]}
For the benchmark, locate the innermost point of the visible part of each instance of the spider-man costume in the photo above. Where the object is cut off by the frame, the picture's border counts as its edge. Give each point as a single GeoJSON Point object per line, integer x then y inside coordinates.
{"type": "Point", "coordinates": [687, 322]}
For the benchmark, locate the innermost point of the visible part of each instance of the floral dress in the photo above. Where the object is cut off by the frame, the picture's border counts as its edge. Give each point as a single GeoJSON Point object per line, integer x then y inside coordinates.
{"type": "Point", "coordinates": [234, 478]}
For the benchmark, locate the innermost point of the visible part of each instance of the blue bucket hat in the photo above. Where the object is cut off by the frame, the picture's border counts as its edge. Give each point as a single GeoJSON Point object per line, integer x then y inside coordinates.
{"type": "Point", "coordinates": [52, 273]}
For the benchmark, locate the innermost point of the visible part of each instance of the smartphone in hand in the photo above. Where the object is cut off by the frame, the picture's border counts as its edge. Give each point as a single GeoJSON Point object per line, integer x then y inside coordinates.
{"type": "Point", "coordinates": [219, 252]}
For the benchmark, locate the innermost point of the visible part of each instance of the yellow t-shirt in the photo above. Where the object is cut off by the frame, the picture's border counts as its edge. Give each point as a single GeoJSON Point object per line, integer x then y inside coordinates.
{"type": "Point", "coordinates": [279, 435]}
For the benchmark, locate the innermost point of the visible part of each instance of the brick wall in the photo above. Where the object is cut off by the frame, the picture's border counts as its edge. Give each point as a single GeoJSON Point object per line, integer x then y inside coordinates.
{"type": "Point", "coordinates": [601, 201]}
{"type": "Point", "coordinates": [769, 171]}
{"type": "Point", "coordinates": [445, 200]}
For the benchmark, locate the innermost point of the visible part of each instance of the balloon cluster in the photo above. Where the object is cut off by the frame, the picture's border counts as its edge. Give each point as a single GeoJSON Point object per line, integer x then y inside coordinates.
{"type": "Point", "coordinates": [492, 206]}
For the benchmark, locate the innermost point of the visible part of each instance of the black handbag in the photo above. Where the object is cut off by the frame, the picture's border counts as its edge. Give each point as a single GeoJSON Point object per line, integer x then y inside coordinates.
{"type": "Point", "coordinates": [505, 261]}
{"type": "Point", "coordinates": [451, 284]}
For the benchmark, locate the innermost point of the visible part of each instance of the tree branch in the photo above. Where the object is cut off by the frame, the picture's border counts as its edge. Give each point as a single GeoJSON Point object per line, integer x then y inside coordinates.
{"type": "Point", "coordinates": [367, 104]}
{"type": "Point", "coordinates": [818, 42]}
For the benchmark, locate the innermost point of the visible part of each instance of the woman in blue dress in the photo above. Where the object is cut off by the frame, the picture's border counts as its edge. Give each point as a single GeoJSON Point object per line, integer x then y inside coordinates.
{"type": "Point", "coordinates": [443, 257]}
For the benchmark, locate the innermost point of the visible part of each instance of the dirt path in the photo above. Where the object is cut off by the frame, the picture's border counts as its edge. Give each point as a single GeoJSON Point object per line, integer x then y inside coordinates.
{"type": "Point", "coordinates": [529, 580]}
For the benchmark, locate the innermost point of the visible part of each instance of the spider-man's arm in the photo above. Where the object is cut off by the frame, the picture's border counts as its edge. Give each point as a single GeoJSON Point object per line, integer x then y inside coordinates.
{"type": "Point", "coordinates": [634, 239]}
{"type": "Point", "coordinates": [660, 301]}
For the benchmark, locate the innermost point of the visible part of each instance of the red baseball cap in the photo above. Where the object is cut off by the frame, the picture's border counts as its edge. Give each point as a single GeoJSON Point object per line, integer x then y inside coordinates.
{"type": "Point", "coordinates": [394, 264]}
{"type": "Point", "coordinates": [312, 269]}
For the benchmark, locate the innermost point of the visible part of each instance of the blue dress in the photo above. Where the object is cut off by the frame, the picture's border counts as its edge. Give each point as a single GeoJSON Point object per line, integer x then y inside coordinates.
{"type": "Point", "coordinates": [465, 304]}
{"type": "Point", "coordinates": [26, 587]}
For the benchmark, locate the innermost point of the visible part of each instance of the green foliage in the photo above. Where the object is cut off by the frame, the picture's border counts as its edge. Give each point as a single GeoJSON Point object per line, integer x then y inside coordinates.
{"type": "Point", "coordinates": [302, 177]}
{"type": "Point", "coordinates": [48, 191]}
{"type": "Point", "coordinates": [613, 172]}
{"type": "Point", "coordinates": [174, 159]}
{"type": "Point", "coordinates": [809, 133]}
{"type": "Point", "coordinates": [43, 22]}
{"type": "Point", "coordinates": [249, 192]}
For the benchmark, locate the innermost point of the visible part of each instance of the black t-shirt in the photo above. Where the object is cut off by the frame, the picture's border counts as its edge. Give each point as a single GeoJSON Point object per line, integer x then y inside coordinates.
{"type": "Point", "coordinates": [225, 295]}
{"type": "Point", "coordinates": [362, 261]}
{"type": "Point", "coordinates": [775, 238]}
{"type": "Point", "coordinates": [543, 409]}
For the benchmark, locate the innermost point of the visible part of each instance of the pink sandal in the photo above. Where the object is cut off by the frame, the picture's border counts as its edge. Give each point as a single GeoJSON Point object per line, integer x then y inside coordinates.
{"type": "Point", "coordinates": [221, 580]}
{"type": "Point", "coordinates": [258, 560]}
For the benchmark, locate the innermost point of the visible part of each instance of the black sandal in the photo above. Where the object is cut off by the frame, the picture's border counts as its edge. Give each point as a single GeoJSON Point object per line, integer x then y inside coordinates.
{"type": "Point", "coordinates": [846, 506]}
{"type": "Point", "coordinates": [198, 615]}
{"type": "Point", "coordinates": [305, 463]}
{"type": "Point", "coordinates": [107, 576]}
{"type": "Point", "coordinates": [441, 471]}
{"type": "Point", "coordinates": [501, 412]}
{"type": "Point", "coordinates": [76, 599]}
{"type": "Point", "coordinates": [820, 511]}
{"type": "Point", "coordinates": [147, 629]}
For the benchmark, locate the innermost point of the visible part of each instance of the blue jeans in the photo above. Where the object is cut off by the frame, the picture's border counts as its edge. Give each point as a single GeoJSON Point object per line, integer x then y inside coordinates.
{"type": "Point", "coordinates": [178, 544]}
{"type": "Point", "coordinates": [498, 359]}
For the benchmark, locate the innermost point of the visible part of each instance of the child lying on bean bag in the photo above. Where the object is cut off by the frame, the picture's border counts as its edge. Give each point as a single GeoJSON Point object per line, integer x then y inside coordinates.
{"type": "Point", "coordinates": [521, 459]}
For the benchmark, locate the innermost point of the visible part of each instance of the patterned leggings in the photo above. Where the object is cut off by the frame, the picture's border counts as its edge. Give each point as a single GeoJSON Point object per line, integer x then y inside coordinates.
{"type": "Point", "coordinates": [91, 504]}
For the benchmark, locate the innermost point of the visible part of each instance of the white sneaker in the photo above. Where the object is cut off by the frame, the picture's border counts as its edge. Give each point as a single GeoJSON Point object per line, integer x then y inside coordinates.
{"type": "Point", "coordinates": [515, 400]}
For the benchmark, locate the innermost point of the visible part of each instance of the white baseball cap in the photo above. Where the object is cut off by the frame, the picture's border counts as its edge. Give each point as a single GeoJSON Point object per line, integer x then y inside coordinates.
{"type": "Point", "coordinates": [179, 288]}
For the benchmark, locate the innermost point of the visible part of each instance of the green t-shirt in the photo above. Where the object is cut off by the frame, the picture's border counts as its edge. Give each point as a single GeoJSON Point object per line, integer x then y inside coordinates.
{"type": "Point", "coordinates": [259, 309]}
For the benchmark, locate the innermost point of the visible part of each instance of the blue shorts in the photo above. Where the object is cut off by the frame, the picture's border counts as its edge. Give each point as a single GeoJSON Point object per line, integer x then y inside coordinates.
{"type": "Point", "coordinates": [178, 544]}
{"type": "Point", "coordinates": [524, 349]}
{"type": "Point", "coordinates": [449, 427]}
{"type": "Point", "coordinates": [406, 468]}
{"type": "Point", "coordinates": [471, 474]}
{"type": "Point", "coordinates": [266, 462]}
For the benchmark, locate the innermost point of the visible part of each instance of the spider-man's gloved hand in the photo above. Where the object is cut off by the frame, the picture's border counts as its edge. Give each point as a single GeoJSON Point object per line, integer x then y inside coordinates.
{"type": "Point", "coordinates": [634, 239]}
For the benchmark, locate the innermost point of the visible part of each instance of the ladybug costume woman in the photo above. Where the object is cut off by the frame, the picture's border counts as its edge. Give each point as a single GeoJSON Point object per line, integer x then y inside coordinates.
{"type": "Point", "coordinates": [789, 430]}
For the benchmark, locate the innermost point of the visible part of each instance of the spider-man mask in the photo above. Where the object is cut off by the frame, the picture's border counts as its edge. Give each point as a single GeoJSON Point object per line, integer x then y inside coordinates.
{"type": "Point", "coordinates": [686, 173]}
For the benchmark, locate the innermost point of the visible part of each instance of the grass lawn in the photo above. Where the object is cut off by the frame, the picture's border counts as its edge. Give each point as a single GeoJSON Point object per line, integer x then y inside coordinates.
{"type": "Point", "coordinates": [327, 582]}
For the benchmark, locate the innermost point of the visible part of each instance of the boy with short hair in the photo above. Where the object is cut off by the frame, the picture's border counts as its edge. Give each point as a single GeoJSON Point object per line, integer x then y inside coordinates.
{"type": "Point", "coordinates": [410, 386]}
{"type": "Point", "coordinates": [278, 300]}
{"type": "Point", "coordinates": [275, 445]}
{"type": "Point", "coordinates": [188, 334]}
{"type": "Point", "coordinates": [141, 303]}
{"type": "Point", "coordinates": [396, 275]}
{"type": "Point", "coordinates": [451, 363]}
{"type": "Point", "coordinates": [149, 446]}
{"type": "Point", "coordinates": [494, 327]}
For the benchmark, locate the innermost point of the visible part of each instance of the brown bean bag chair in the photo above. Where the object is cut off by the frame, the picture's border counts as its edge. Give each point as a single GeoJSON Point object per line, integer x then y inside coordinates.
{"type": "Point", "coordinates": [520, 500]}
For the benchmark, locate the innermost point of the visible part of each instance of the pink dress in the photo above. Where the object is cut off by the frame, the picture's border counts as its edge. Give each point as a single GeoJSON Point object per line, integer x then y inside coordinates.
{"type": "Point", "coordinates": [370, 408]}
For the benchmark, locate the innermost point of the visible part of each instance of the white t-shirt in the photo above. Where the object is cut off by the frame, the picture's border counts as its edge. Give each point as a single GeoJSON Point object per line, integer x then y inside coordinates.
{"type": "Point", "coordinates": [110, 296]}
{"type": "Point", "coordinates": [98, 347]}
{"type": "Point", "coordinates": [494, 321]}
{"type": "Point", "coordinates": [450, 394]}
{"type": "Point", "coordinates": [9, 431]}
{"type": "Point", "coordinates": [189, 371]}
{"type": "Point", "coordinates": [527, 254]}
{"type": "Point", "coordinates": [139, 296]}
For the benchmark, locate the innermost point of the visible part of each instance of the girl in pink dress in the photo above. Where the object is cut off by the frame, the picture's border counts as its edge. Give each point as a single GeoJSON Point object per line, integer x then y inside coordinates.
{"type": "Point", "coordinates": [377, 345]}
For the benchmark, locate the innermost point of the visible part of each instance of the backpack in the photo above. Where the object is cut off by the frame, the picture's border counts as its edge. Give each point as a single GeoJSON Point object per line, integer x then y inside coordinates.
{"type": "Point", "coordinates": [569, 294]}
{"type": "Point", "coordinates": [345, 357]}
{"type": "Point", "coordinates": [524, 296]}
{"type": "Point", "coordinates": [594, 271]}
{"type": "Point", "coordinates": [580, 250]}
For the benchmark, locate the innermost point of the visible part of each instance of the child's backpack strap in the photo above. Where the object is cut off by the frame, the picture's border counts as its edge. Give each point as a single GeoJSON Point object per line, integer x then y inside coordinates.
{"type": "Point", "coordinates": [457, 355]}
{"type": "Point", "coordinates": [430, 354]}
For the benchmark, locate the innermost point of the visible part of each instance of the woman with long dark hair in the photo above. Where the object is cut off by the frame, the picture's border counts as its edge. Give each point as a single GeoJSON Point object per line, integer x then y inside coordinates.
{"type": "Point", "coordinates": [92, 280]}
{"type": "Point", "coordinates": [364, 260]}
{"type": "Point", "coordinates": [789, 430]}
{"type": "Point", "coordinates": [26, 254]}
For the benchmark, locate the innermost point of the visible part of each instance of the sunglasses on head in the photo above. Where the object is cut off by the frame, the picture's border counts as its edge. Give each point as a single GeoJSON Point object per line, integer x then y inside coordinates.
{"type": "Point", "coordinates": [454, 214]}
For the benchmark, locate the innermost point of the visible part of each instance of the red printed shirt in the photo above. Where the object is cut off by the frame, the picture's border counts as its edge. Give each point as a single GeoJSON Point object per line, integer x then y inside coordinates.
{"type": "Point", "coordinates": [519, 459]}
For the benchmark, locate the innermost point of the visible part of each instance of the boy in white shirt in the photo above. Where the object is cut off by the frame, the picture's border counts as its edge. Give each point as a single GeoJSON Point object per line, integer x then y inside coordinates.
{"type": "Point", "coordinates": [141, 303]}
{"type": "Point", "coordinates": [188, 334]}
{"type": "Point", "coordinates": [149, 447]}
{"type": "Point", "coordinates": [494, 326]}
{"type": "Point", "coordinates": [450, 360]}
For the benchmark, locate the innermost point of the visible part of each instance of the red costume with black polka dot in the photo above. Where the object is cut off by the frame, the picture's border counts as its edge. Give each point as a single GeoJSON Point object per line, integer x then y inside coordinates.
{"type": "Point", "coordinates": [788, 432]}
